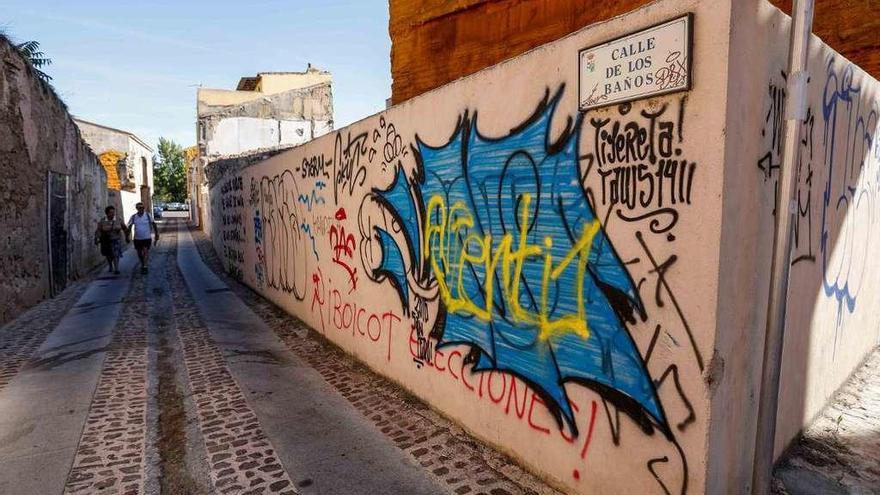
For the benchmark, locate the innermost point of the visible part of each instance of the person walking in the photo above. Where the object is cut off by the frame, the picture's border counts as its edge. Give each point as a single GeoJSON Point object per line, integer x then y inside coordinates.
{"type": "Point", "coordinates": [109, 234]}
{"type": "Point", "coordinates": [143, 224]}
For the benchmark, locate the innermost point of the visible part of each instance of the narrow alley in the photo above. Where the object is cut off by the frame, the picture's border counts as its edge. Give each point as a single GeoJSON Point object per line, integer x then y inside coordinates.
{"type": "Point", "coordinates": [408, 247]}
{"type": "Point", "coordinates": [184, 382]}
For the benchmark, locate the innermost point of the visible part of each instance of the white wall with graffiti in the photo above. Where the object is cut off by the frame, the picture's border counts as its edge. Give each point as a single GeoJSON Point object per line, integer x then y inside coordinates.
{"type": "Point", "coordinates": [834, 291]}
{"type": "Point", "coordinates": [551, 279]}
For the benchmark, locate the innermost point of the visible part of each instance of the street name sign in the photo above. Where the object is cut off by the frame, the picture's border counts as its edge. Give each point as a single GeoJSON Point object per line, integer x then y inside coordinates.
{"type": "Point", "coordinates": [650, 62]}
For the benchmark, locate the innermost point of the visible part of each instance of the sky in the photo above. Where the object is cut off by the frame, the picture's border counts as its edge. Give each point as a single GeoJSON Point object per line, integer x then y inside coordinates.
{"type": "Point", "coordinates": [136, 64]}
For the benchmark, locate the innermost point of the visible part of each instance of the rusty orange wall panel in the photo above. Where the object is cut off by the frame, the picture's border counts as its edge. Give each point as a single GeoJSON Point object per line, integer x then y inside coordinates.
{"type": "Point", "coordinates": [851, 27]}
{"type": "Point", "coordinates": [435, 42]}
{"type": "Point", "coordinates": [407, 13]}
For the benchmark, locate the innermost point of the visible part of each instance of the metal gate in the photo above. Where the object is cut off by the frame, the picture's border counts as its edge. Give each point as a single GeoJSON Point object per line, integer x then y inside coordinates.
{"type": "Point", "coordinates": [58, 232]}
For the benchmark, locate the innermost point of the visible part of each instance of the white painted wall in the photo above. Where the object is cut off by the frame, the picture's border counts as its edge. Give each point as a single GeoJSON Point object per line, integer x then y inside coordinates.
{"type": "Point", "coordinates": [234, 135]}
{"type": "Point", "coordinates": [301, 229]}
{"type": "Point", "coordinates": [834, 288]}
{"type": "Point", "coordinates": [321, 127]}
{"type": "Point", "coordinates": [295, 132]}
{"type": "Point", "coordinates": [237, 135]}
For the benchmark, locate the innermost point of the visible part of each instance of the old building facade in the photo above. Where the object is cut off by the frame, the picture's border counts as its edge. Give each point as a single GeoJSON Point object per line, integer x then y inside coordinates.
{"type": "Point", "coordinates": [266, 112]}
{"type": "Point", "coordinates": [128, 161]}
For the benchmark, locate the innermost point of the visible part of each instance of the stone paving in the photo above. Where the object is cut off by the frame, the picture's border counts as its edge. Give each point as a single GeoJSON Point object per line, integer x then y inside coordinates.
{"type": "Point", "coordinates": [840, 452]}
{"type": "Point", "coordinates": [463, 464]}
{"type": "Point", "coordinates": [21, 337]}
{"type": "Point", "coordinates": [110, 455]}
{"type": "Point", "coordinates": [241, 456]}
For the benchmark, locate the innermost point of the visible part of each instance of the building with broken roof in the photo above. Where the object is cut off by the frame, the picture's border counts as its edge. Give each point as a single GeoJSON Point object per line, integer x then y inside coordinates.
{"type": "Point", "coordinates": [126, 158]}
{"type": "Point", "coordinates": [266, 112]}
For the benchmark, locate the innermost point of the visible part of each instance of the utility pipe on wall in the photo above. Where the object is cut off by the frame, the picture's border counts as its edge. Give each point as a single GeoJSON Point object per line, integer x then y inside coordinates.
{"type": "Point", "coordinates": [786, 208]}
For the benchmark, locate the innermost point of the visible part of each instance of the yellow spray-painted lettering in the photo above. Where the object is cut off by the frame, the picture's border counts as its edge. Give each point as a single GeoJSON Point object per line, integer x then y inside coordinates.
{"type": "Point", "coordinates": [449, 248]}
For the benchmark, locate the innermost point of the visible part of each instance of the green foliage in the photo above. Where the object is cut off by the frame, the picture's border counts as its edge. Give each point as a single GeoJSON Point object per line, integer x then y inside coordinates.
{"type": "Point", "coordinates": [30, 50]}
{"type": "Point", "coordinates": [169, 172]}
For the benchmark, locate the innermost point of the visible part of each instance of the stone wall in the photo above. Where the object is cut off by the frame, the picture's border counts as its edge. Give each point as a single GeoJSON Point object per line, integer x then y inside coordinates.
{"type": "Point", "coordinates": [38, 137]}
{"type": "Point", "coordinates": [435, 42]}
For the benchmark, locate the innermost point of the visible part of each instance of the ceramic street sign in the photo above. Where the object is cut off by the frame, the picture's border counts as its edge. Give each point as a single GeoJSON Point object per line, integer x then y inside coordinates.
{"type": "Point", "coordinates": [650, 62]}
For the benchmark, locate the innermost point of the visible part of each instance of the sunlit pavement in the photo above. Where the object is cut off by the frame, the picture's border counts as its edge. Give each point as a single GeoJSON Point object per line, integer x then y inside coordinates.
{"type": "Point", "coordinates": [181, 381]}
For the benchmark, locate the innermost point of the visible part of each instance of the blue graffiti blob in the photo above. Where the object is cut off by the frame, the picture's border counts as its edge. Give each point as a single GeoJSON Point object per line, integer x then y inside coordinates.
{"type": "Point", "coordinates": [847, 125]}
{"type": "Point", "coordinates": [393, 264]}
{"type": "Point", "coordinates": [398, 198]}
{"type": "Point", "coordinates": [499, 183]}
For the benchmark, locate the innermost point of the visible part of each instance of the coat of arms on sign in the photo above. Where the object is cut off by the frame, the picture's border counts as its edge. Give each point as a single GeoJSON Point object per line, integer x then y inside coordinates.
{"type": "Point", "coordinates": [590, 66]}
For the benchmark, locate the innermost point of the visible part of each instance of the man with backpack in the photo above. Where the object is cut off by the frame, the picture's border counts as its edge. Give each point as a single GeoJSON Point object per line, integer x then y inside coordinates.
{"type": "Point", "coordinates": [143, 225]}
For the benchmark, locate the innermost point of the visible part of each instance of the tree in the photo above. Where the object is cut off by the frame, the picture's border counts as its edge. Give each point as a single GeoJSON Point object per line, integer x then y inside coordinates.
{"type": "Point", "coordinates": [30, 50]}
{"type": "Point", "coordinates": [169, 171]}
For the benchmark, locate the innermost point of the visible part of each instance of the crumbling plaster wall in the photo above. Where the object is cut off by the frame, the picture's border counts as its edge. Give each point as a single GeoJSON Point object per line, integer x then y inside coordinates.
{"type": "Point", "coordinates": [133, 175]}
{"type": "Point", "coordinates": [271, 121]}
{"type": "Point", "coordinates": [37, 135]}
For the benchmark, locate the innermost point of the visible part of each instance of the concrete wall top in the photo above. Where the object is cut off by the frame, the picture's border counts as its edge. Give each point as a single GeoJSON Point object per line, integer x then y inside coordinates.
{"type": "Point", "coordinates": [269, 84]}
{"type": "Point", "coordinates": [101, 139]}
{"type": "Point", "coordinates": [224, 97]}
{"type": "Point", "coordinates": [312, 102]}
{"type": "Point", "coordinates": [272, 83]}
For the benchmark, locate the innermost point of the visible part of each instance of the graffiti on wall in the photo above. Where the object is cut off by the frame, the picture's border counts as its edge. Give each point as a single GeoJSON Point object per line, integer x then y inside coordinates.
{"type": "Point", "coordinates": [639, 159]}
{"type": "Point", "coordinates": [342, 246]}
{"type": "Point", "coordinates": [804, 240]}
{"type": "Point", "coordinates": [260, 265]}
{"type": "Point", "coordinates": [232, 232]}
{"type": "Point", "coordinates": [287, 241]}
{"type": "Point", "coordinates": [839, 155]}
{"type": "Point", "coordinates": [500, 256]}
{"type": "Point", "coordinates": [501, 232]}
{"type": "Point", "coordinates": [851, 197]}
{"type": "Point", "coordinates": [836, 203]}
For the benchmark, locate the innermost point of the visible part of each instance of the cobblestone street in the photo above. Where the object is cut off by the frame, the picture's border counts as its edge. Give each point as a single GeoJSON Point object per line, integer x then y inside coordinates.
{"type": "Point", "coordinates": [433, 247]}
{"type": "Point", "coordinates": [159, 394]}
{"type": "Point", "coordinates": [840, 452]}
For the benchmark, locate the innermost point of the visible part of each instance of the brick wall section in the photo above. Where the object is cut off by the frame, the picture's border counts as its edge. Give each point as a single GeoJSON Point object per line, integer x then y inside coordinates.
{"type": "Point", "coordinates": [37, 135]}
{"type": "Point", "coordinates": [435, 42]}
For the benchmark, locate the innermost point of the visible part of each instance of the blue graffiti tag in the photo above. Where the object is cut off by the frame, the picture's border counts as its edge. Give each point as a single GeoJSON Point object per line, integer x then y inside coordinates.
{"type": "Point", "coordinates": [850, 190]}
{"type": "Point", "coordinates": [526, 275]}
{"type": "Point", "coordinates": [310, 200]}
